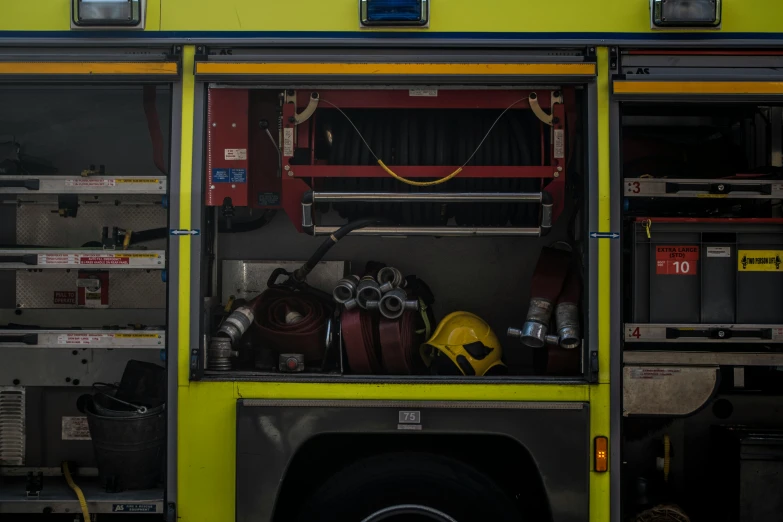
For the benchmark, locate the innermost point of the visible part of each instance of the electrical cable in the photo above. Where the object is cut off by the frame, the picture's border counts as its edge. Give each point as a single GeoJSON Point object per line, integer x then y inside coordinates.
{"type": "Point", "coordinates": [423, 183]}
{"type": "Point", "coordinates": [78, 491]}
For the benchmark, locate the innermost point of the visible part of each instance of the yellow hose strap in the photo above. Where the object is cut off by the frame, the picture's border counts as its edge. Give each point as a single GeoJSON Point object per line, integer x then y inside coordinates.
{"type": "Point", "coordinates": [418, 183]}
{"type": "Point", "coordinates": [78, 490]}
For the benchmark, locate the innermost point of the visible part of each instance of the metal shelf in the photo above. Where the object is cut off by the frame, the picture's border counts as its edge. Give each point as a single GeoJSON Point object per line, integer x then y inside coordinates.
{"type": "Point", "coordinates": [54, 258]}
{"type": "Point", "coordinates": [69, 339]}
{"type": "Point", "coordinates": [702, 358]}
{"type": "Point", "coordinates": [703, 333]}
{"type": "Point", "coordinates": [83, 184]}
{"type": "Point", "coordinates": [703, 188]}
{"type": "Point", "coordinates": [57, 496]}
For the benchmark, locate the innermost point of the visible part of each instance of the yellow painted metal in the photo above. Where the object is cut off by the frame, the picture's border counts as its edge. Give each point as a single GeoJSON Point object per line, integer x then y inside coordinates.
{"type": "Point", "coordinates": [88, 68]}
{"type": "Point", "coordinates": [372, 69]}
{"type": "Point", "coordinates": [491, 16]}
{"type": "Point", "coordinates": [604, 216]}
{"type": "Point", "coordinates": [55, 15]}
{"type": "Point", "coordinates": [600, 393]}
{"type": "Point", "coordinates": [711, 88]}
{"type": "Point", "coordinates": [185, 194]}
{"type": "Point", "coordinates": [454, 16]}
{"type": "Point", "coordinates": [207, 427]}
{"type": "Point", "coordinates": [600, 501]}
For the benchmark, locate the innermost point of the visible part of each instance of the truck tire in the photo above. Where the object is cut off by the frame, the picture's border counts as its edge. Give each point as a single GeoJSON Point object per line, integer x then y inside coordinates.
{"type": "Point", "coordinates": [434, 482]}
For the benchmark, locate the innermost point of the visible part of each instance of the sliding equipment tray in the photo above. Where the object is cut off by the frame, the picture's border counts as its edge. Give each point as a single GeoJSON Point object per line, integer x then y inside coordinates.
{"type": "Point", "coordinates": [703, 333]}
{"type": "Point", "coordinates": [69, 339]}
{"type": "Point", "coordinates": [56, 497]}
{"type": "Point", "coordinates": [83, 184]}
{"type": "Point", "coordinates": [703, 188]}
{"type": "Point", "coordinates": [84, 258]}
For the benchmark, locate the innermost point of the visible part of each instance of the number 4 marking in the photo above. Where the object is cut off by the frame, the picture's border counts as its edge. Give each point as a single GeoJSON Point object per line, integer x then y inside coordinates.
{"type": "Point", "coordinates": [636, 333]}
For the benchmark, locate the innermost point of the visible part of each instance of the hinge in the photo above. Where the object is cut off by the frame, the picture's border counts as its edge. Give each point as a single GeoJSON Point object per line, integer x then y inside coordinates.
{"type": "Point", "coordinates": [614, 59]}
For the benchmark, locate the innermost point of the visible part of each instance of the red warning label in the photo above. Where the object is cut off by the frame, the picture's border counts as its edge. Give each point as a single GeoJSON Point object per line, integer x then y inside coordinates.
{"type": "Point", "coordinates": [103, 260]}
{"type": "Point", "coordinates": [676, 260]}
{"type": "Point", "coordinates": [64, 297]}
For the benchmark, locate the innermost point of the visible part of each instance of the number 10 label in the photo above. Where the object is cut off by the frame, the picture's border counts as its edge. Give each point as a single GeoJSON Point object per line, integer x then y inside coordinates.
{"type": "Point", "coordinates": [676, 260]}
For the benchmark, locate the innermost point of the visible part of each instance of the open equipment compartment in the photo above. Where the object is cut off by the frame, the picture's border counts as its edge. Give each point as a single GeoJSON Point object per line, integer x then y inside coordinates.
{"type": "Point", "coordinates": [701, 135]}
{"type": "Point", "coordinates": [454, 188]}
{"type": "Point", "coordinates": [84, 163]}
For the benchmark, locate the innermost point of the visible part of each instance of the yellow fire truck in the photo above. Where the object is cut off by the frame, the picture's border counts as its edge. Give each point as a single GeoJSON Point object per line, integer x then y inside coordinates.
{"type": "Point", "coordinates": [367, 260]}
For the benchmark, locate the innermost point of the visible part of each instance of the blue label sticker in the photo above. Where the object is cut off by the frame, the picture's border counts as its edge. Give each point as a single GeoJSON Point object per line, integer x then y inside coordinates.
{"type": "Point", "coordinates": [220, 176]}
{"type": "Point", "coordinates": [134, 508]}
{"type": "Point", "coordinates": [184, 232]}
{"type": "Point", "coordinates": [238, 175]}
{"type": "Point", "coordinates": [604, 235]}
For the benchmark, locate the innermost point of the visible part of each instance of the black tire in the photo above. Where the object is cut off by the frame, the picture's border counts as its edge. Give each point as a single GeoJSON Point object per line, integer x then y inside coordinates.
{"type": "Point", "coordinates": [445, 484]}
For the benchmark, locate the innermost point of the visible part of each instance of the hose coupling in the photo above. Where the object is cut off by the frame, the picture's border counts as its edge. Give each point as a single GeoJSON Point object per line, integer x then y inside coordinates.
{"type": "Point", "coordinates": [345, 290]}
{"type": "Point", "coordinates": [367, 290]}
{"type": "Point", "coordinates": [395, 302]}
{"type": "Point", "coordinates": [534, 332]}
{"type": "Point", "coordinates": [390, 278]}
{"type": "Point", "coordinates": [236, 324]}
{"type": "Point", "coordinates": [219, 354]}
{"type": "Point", "coordinates": [567, 323]}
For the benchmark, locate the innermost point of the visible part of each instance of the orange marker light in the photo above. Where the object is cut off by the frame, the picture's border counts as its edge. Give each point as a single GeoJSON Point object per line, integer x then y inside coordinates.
{"type": "Point", "coordinates": [601, 448]}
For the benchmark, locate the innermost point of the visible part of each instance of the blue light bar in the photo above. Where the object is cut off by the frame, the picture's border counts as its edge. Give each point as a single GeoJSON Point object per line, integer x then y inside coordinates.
{"type": "Point", "coordinates": [393, 12]}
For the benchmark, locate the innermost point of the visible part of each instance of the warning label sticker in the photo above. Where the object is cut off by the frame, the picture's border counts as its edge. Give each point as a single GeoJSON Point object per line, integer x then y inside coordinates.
{"type": "Point", "coordinates": [104, 260]}
{"type": "Point", "coordinates": [718, 251]}
{"type": "Point", "coordinates": [423, 92]}
{"type": "Point", "coordinates": [137, 180]}
{"type": "Point", "coordinates": [88, 182]}
{"type": "Point", "coordinates": [64, 297]}
{"type": "Point", "coordinates": [759, 260]}
{"type": "Point", "coordinates": [136, 335]}
{"type": "Point", "coordinates": [80, 338]}
{"type": "Point", "coordinates": [56, 259]}
{"type": "Point", "coordinates": [134, 508]}
{"type": "Point", "coordinates": [288, 142]}
{"type": "Point", "coordinates": [653, 373]}
{"type": "Point", "coordinates": [75, 428]}
{"type": "Point", "coordinates": [235, 154]}
{"type": "Point", "coordinates": [676, 260]}
{"type": "Point", "coordinates": [558, 143]}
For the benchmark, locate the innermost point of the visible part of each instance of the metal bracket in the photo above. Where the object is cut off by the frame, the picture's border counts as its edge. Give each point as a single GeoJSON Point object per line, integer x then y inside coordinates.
{"type": "Point", "coordinates": [312, 105]}
{"type": "Point", "coordinates": [545, 118]}
{"type": "Point", "coordinates": [592, 369]}
{"type": "Point", "coordinates": [171, 512]}
{"type": "Point", "coordinates": [34, 485]}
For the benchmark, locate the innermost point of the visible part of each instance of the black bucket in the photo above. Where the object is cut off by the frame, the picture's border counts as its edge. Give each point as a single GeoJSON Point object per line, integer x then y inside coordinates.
{"type": "Point", "coordinates": [129, 450]}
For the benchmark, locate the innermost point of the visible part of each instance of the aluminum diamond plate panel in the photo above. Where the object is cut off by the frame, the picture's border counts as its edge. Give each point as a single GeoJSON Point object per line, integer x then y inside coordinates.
{"type": "Point", "coordinates": [41, 225]}
{"type": "Point", "coordinates": [247, 279]}
{"type": "Point", "coordinates": [127, 288]}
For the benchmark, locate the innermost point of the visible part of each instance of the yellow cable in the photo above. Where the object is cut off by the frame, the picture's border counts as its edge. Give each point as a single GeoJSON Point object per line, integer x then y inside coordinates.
{"type": "Point", "coordinates": [667, 458]}
{"type": "Point", "coordinates": [78, 490]}
{"type": "Point", "coordinates": [418, 183]}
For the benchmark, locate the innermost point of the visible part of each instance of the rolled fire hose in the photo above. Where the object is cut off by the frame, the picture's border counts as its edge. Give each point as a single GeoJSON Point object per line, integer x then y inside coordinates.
{"type": "Point", "coordinates": [546, 286]}
{"type": "Point", "coordinates": [360, 332]}
{"type": "Point", "coordinates": [398, 339]}
{"type": "Point", "coordinates": [291, 322]}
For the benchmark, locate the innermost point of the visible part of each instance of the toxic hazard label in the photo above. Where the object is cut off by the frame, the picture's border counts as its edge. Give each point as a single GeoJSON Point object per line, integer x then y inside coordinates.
{"type": "Point", "coordinates": [676, 260]}
{"type": "Point", "coordinates": [759, 260]}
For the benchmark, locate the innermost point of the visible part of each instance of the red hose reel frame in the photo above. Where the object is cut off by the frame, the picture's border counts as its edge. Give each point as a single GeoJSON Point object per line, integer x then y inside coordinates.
{"type": "Point", "coordinates": [233, 126]}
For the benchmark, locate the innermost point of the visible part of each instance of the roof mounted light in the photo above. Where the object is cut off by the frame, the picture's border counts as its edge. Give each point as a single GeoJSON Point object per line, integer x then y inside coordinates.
{"type": "Point", "coordinates": [400, 13]}
{"type": "Point", "coordinates": [128, 14]}
{"type": "Point", "coordinates": [686, 13]}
